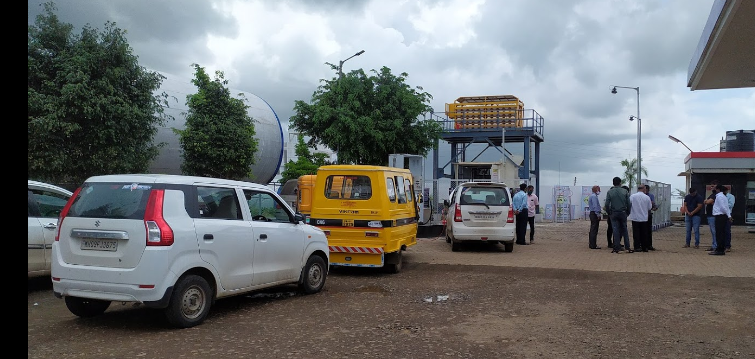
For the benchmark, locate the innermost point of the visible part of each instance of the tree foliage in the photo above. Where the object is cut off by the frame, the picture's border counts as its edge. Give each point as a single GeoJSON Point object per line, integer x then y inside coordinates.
{"type": "Point", "coordinates": [366, 118]}
{"type": "Point", "coordinates": [306, 162]}
{"type": "Point", "coordinates": [218, 140]}
{"type": "Point", "coordinates": [91, 108]}
{"type": "Point", "coordinates": [630, 172]}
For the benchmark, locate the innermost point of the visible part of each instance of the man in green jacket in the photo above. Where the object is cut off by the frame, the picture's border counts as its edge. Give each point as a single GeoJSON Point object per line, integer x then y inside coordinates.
{"type": "Point", "coordinates": [617, 206]}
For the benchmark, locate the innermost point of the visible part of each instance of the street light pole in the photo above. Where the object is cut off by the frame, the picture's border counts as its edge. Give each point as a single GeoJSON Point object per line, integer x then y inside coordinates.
{"type": "Point", "coordinates": [639, 131]}
{"type": "Point", "coordinates": [340, 64]}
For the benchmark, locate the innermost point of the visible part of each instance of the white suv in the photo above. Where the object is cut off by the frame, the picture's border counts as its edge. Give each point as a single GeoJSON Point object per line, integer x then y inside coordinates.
{"type": "Point", "coordinates": [480, 211]}
{"type": "Point", "coordinates": [179, 243]}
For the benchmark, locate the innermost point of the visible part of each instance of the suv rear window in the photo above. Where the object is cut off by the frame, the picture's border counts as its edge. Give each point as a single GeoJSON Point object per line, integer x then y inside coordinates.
{"type": "Point", "coordinates": [495, 196]}
{"type": "Point", "coordinates": [111, 200]}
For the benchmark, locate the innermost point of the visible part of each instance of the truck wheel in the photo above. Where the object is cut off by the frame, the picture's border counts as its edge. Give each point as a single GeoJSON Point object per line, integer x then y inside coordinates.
{"type": "Point", "coordinates": [190, 302]}
{"type": "Point", "coordinates": [398, 262]}
{"type": "Point", "coordinates": [508, 247]}
{"type": "Point", "coordinates": [313, 275]}
{"type": "Point", "coordinates": [86, 308]}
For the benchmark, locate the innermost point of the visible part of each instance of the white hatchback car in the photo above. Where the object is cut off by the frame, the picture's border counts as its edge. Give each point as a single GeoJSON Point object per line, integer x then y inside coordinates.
{"type": "Point", "coordinates": [178, 243]}
{"type": "Point", "coordinates": [480, 211]}
{"type": "Point", "coordinates": [45, 202]}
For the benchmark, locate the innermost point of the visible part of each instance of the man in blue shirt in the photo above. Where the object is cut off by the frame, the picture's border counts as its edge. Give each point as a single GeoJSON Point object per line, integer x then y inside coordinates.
{"type": "Point", "coordinates": [593, 205]}
{"type": "Point", "coordinates": [692, 210]}
{"type": "Point", "coordinates": [519, 205]}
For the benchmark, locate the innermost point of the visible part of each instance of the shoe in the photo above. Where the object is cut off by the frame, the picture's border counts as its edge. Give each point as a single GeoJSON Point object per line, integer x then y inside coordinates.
{"type": "Point", "coordinates": [717, 253]}
{"type": "Point", "coordinates": [630, 251]}
{"type": "Point", "coordinates": [728, 249]}
{"type": "Point", "coordinates": [615, 251]}
{"type": "Point", "coordinates": [685, 246]}
{"type": "Point", "coordinates": [594, 247]}
{"type": "Point", "coordinates": [651, 248]}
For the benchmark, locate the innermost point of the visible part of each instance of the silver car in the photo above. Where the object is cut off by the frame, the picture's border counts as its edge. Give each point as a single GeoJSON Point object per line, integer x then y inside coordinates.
{"type": "Point", "coordinates": [480, 211]}
{"type": "Point", "coordinates": [45, 201]}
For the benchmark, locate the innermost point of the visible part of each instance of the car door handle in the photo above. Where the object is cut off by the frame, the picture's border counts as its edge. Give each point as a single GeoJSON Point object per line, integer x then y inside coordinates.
{"type": "Point", "coordinates": [208, 237]}
{"type": "Point", "coordinates": [263, 236]}
{"type": "Point", "coordinates": [51, 225]}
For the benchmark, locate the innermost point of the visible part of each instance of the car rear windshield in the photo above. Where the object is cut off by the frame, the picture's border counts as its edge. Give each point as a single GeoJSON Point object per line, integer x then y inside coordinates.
{"type": "Point", "coordinates": [494, 196]}
{"type": "Point", "coordinates": [111, 200]}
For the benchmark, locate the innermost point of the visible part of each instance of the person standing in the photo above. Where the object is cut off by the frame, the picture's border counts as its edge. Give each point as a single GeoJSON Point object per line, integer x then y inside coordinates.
{"type": "Point", "coordinates": [731, 200]}
{"type": "Point", "coordinates": [709, 216]}
{"type": "Point", "coordinates": [593, 205]}
{"type": "Point", "coordinates": [519, 204]}
{"type": "Point", "coordinates": [649, 226]}
{"type": "Point", "coordinates": [532, 203]}
{"type": "Point", "coordinates": [641, 206]}
{"type": "Point", "coordinates": [617, 206]}
{"type": "Point", "coordinates": [692, 209]}
{"type": "Point", "coordinates": [609, 231]}
{"type": "Point", "coordinates": [722, 215]}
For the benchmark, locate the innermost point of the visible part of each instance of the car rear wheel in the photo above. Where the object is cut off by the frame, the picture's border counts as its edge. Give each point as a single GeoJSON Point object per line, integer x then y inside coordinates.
{"type": "Point", "coordinates": [455, 246]}
{"type": "Point", "coordinates": [313, 275]}
{"type": "Point", "coordinates": [86, 308]}
{"type": "Point", "coordinates": [508, 247]}
{"type": "Point", "coordinates": [397, 262]}
{"type": "Point", "coordinates": [190, 302]}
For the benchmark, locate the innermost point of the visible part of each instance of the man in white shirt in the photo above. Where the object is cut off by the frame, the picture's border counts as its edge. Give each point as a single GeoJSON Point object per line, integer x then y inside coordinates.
{"type": "Point", "coordinates": [638, 214]}
{"type": "Point", "coordinates": [721, 215]}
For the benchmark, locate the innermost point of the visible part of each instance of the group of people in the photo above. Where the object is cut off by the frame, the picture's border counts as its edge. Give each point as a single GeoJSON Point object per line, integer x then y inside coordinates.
{"type": "Point", "coordinates": [717, 208]}
{"type": "Point", "coordinates": [620, 206]}
{"type": "Point", "coordinates": [524, 204]}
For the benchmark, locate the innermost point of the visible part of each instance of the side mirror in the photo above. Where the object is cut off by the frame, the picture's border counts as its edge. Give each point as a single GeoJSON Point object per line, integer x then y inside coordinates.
{"type": "Point", "coordinates": [298, 217]}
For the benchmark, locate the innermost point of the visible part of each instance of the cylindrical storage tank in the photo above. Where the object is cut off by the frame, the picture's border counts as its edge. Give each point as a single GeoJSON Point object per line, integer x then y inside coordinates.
{"type": "Point", "coordinates": [269, 132]}
{"type": "Point", "coordinates": [740, 141]}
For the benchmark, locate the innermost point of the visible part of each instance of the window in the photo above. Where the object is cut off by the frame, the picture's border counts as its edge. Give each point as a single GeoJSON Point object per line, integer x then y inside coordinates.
{"type": "Point", "coordinates": [495, 196]}
{"type": "Point", "coordinates": [220, 203]}
{"type": "Point", "coordinates": [401, 191]}
{"type": "Point", "coordinates": [263, 206]}
{"type": "Point", "coordinates": [408, 189]}
{"type": "Point", "coordinates": [49, 203]}
{"type": "Point", "coordinates": [111, 200]}
{"type": "Point", "coordinates": [348, 187]}
{"type": "Point", "coordinates": [390, 189]}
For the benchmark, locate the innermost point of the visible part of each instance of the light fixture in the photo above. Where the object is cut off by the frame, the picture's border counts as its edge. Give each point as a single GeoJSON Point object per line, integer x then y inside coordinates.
{"type": "Point", "coordinates": [672, 138]}
{"type": "Point", "coordinates": [639, 130]}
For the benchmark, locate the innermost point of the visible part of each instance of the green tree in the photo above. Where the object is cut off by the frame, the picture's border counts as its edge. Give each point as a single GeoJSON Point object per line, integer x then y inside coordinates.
{"type": "Point", "coordinates": [366, 118]}
{"type": "Point", "coordinates": [306, 163]}
{"type": "Point", "coordinates": [630, 172]}
{"type": "Point", "coordinates": [680, 193]}
{"type": "Point", "coordinates": [218, 140]}
{"type": "Point", "coordinates": [91, 108]}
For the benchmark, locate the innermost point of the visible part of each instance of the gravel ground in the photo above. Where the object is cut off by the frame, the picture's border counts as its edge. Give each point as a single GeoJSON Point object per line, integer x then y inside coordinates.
{"type": "Point", "coordinates": [480, 303]}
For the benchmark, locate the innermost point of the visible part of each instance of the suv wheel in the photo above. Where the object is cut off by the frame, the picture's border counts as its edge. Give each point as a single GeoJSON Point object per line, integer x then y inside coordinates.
{"type": "Point", "coordinates": [86, 308]}
{"type": "Point", "coordinates": [190, 302]}
{"type": "Point", "coordinates": [313, 275]}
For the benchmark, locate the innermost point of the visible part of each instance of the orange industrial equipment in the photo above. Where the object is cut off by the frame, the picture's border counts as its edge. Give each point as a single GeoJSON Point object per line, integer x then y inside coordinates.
{"type": "Point", "coordinates": [486, 112]}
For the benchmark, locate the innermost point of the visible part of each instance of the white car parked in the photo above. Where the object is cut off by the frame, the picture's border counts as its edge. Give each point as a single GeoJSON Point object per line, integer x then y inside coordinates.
{"type": "Point", "coordinates": [45, 202]}
{"type": "Point", "coordinates": [480, 211]}
{"type": "Point", "coordinates": [178, 243]}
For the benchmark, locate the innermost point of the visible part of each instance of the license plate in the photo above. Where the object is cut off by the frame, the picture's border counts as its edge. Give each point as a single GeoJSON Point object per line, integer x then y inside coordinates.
{"type": "Point", "coordinates": [110, 245]}
{"type": "Point", "coordinates": [484, 217]}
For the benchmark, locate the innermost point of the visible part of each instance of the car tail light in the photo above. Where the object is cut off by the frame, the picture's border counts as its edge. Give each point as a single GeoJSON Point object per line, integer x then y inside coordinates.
{"type": "Point", "coordinates": [457, 213]}
{"type": "Point", "coordinates": [64, 212]}
{"type": "Point", "coordinates": [510, 217]}
{"type": "Point", "coordinates": [159, 232]}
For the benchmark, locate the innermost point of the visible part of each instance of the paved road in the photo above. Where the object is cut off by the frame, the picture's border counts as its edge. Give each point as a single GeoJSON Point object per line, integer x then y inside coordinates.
{"type": "Point", "coordinates": [552, 299]}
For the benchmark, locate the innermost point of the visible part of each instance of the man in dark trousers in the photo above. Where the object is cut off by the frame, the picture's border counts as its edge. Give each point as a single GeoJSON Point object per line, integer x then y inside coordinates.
{"type": "Point", "coordinates": [649, 225]}
{"type": "Point", "coordinates": [721, 215]}
{"type": "Point", "coordinates": [617, 206]}
{"type": "Point", "coordinates": [593, 205]}
{"type": "Point", "coordinates": [519, 205]}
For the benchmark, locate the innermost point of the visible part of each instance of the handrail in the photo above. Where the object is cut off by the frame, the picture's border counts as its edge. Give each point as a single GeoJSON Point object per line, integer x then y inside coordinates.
{"type": "Point", "coordinates": [490, 121]}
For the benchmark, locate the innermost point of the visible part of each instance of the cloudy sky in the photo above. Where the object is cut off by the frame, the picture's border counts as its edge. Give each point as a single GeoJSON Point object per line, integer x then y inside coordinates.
{"type": "Point", "coordinates": [560, 57]}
